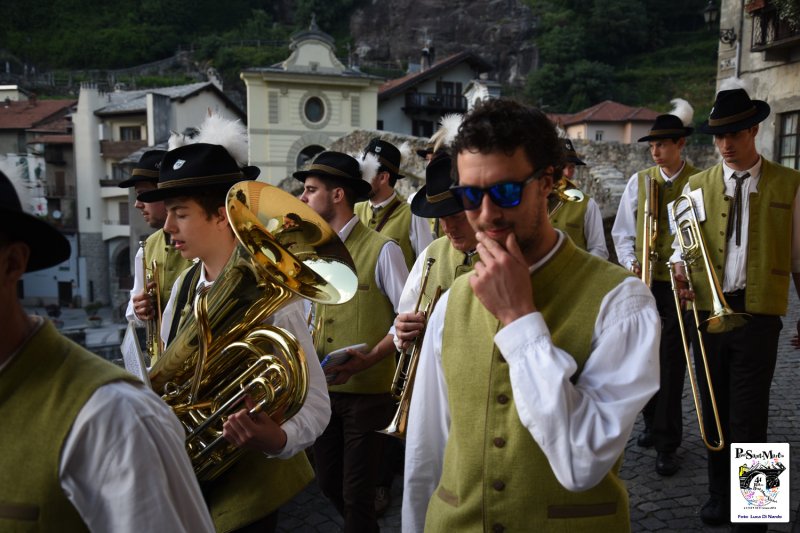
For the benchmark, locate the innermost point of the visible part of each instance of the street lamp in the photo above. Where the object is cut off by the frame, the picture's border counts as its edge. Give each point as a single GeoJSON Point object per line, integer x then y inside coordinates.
{"type": "Point", "coordinates": [710, 14]}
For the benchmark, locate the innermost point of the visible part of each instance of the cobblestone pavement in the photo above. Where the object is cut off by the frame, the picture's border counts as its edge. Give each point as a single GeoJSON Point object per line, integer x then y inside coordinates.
{"type": "Point", "coordinates": [662, 504]}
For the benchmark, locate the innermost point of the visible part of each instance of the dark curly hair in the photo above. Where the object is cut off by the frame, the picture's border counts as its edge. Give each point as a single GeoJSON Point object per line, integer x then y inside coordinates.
{"type": "Point", "coordinates": [503, 125]}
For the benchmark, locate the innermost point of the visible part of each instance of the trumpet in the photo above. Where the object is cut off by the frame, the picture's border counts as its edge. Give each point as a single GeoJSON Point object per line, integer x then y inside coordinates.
{"type": "Point", "coordinates": [403, 382]}
{"type": "Point", "coordinates": [649, 230]}
{"type": "Point", "coordinates": [154, 344]}
{"type": "Point", "coordinates": [721, 319]}
{"type": "Point", "coordinates": [565, 191]}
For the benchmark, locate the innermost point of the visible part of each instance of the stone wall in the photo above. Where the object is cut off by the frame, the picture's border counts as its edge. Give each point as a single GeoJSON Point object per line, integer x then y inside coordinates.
{"type": "Point", "coordinates": [93, 249]}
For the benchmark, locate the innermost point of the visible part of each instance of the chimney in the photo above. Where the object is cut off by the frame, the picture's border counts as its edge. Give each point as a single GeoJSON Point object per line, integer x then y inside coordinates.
{"type": "Point", "coordinates": [425, 60]}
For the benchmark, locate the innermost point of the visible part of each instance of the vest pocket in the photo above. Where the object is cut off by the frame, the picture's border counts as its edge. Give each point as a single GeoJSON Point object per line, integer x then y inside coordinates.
{"type": "Point", "coordinates": [447, 497]}
{"type": "Point", "coordinates": [581, 511]}
{"type": "Point", "coordinates": [19, 511]}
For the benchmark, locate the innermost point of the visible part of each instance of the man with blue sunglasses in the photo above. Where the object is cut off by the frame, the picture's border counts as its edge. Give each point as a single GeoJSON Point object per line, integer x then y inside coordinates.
{"type": "Point", "coordinates": [534, 367]}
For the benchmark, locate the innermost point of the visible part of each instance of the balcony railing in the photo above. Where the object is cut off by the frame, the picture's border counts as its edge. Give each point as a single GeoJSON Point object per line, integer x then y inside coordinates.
{"type": "Point", "coordinates": [771, 34]}
{"type": "Point", "coordinates": [436, 103]}
{"type": "Point", "coordinates": [120, 149]}
{"type": "Point", "coordinates": [52, 190]}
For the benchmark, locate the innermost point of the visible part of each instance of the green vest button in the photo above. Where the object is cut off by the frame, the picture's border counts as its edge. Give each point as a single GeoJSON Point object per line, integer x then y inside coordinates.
{"type": "Point", "coordinates": [329, 321]}
{"type": "Point", "coordinates": [724, 215]}
{"type": "Point", "coordinates": [502, 399]}
{"type": "Point", "coordinates": [498, 485]}
{"type": "Point", "coordinates": [329, 339]}
{"type": "Point", "coordinates": [498, 528]}
{"type": "Point", "coordinates": [499, 442]}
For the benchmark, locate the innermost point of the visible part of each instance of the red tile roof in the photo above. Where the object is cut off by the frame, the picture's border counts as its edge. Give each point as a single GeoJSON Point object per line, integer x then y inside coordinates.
{"type": "Point", "coordinates": [27, 114]}
{"type": "Point", "coordinates": [607, 111]}
{"type": "Point", "coordinates": [409, 80]}
{"type": "Point", "coordinates": [52, 139]}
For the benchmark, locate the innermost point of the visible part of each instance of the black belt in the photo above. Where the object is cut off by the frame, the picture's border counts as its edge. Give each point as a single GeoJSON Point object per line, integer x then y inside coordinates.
{"type": "Point", "coordinates": [734, 294]}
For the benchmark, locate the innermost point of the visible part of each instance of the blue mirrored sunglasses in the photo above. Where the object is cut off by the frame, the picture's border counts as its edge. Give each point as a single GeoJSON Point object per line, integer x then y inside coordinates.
{"type": "Point", "coordinates": [506, 194]}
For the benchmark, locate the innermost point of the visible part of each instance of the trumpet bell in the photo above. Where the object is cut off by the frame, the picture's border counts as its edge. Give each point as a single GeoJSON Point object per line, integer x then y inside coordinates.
{"type": "Point", "coordinates": [723, 321]}
{"type": "Point", "coordinates": [572, 195]}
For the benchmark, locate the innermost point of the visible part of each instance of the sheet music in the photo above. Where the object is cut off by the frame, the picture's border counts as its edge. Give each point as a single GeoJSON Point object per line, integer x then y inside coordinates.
{"type": "Point", "coordinates": [132, 355]}
{"type": "Point", "coordinates": [699, 209]}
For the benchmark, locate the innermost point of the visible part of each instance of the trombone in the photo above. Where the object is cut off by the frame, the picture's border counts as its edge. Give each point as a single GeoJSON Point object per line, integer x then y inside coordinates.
{"type": "Point", "coordinates": [649, 230]}
{"type": "Point", "coordinates": [403, 382]}
{"type": "Point", "coordinates": [565, 191]}
{"type": "Point", "coordinates": [721, 319]}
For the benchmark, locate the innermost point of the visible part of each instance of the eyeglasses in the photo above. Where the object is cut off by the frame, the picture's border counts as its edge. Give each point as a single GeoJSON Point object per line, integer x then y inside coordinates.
{"type": "Point", "coordinates": [506, 194]}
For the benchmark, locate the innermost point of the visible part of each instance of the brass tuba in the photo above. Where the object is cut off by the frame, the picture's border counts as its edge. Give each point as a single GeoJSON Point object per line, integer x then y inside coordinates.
{"type": "Point", "coordinates": [403, 382]}
{"type": "Point", "coordinates": [565, 191]}
{"type": "Point", "coordinates": [722, 317]}
{"type": "Point", "coordinates": [224, 352]}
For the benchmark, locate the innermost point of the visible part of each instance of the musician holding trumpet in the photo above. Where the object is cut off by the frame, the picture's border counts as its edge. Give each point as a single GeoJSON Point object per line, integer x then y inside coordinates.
{"type": "Point", "coordinates": [748, 215]}
{"type": "Point", "coordinates": [534, 366]}
{"type": "Point", "coordinates": [643, 243]}
{"type": "Point", "coordinates": [156, 259]}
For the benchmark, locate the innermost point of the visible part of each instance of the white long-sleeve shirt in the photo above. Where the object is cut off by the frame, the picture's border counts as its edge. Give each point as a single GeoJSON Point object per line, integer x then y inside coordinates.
{"type": "Point", "coordinates": [124, 466]}
{"type": "Point", "coordinates": [735, 271]}
{"type": "Point", "coordinates": [623, 233]}
{"type": "Point", "coordinates": [312, 418]}
{"type": "Point", "coordinates": [593, 230]}
{"type": "Point", "coordinates": [582, 428]}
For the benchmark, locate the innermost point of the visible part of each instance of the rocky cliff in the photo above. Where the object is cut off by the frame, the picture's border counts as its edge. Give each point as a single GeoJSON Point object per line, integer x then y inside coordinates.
{"type": "Point", "coordinates": [395, 31]}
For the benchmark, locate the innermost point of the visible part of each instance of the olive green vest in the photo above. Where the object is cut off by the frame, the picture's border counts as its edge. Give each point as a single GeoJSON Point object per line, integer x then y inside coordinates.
{"type": "Point", "coordinates": [571, 219]}
{"type": "Point", "coordinates": [769, 243]}
{"type": "Point", "coordinates": [397, 227]}
{"type": "Point", "coordinates": [366, 318]}
{"type": "Point", "coordinates": [665, 196]}
{"type": "Point", "coordinates": [42, 390]}
{"type": "Point", "coordinates": [169, 261]}
{"type": "Point", "coordinates": [494, 473]}
{"type": "Point", "coordinates": [254, 487]}
{"type": "Point", "coordinates": [450, 263]}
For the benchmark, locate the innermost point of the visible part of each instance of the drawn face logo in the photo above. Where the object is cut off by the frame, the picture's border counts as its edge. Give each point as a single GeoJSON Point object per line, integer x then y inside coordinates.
{"type": "Point", "coordinates": [377, 149]}
{"type": "Point", "coordinates": [178, 164]}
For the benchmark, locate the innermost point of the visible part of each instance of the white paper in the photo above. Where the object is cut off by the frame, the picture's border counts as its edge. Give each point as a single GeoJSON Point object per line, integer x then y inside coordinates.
{"type": "Point", "coordinates": [132, 355]}
{"type": "Point", "coordinates": [699, 209]}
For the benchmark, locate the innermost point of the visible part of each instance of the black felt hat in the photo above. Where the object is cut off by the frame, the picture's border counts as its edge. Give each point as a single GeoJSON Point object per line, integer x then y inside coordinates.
{"type": "Point", "coordinates": [146, 169]}
{"type": "Point", "coordinates": [48, 246]}
{"type": "Point", "coordinates": [435, 199]}
{"type": "Point", "coordinates": [388, 155]}
{"type": "Point", "coordinates": [424, 152]}
{"type": "Point", "coordinates": [195, 167]}
{"type": "Point", "coordinates": [734, 111]}
{"type": "Point", "coordinates": [570, 154]}
{"type": "Point", "coordinates": [667, 127]}
{"type": "Point", "coordinates": [340, 167]}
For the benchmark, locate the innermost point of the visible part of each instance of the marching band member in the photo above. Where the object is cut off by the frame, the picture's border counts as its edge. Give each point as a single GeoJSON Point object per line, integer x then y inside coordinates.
{"type": "Point", "coordinates": [347, 454]}
{"type": "Point", "coordinates": [751, 229]}
{"type": "Point", "coordinates": [85, 445]}
{"type": "Point", "coordinates": [158, 246]}
{"type": "Point", "coordinates": [533, 367]}
{"type": "Point", "coordinates": [454, 253]}
{"type": "Point", "coordinates": [387, 212]}
{"type": "Point", "coordinates": [193, 183]}
{"type": "Point", "coordinates": [581, 221]}
{"type": "Point", "coordinates": [663, 414]}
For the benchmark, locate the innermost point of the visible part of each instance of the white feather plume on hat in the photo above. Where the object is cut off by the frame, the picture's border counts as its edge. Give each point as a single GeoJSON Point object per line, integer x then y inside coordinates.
{"type": "Point", "coordinates": [731, 83]}
{"type": "Point", "coordinates": [369, 164]}
{"type": "Point", "coordinates": [216, 129]}
{"type": "Point", "coordinates": [683, 110]}
{"type": "Point", "coordinates": [448, 129]}
{"type": "Point", "coordinates": [405, 153]}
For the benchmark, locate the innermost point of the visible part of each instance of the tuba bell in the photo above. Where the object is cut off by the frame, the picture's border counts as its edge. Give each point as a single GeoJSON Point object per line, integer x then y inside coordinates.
{"type": "Point", "coordinates": [224, 352]}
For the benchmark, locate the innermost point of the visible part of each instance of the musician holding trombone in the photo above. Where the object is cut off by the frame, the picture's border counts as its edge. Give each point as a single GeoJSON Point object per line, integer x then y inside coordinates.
{"type": "Point", "coordinates": [533, 367]}
{"type": "Point", "coordinates": [643, 243]}
{"type": "Point", "coordinates": [747, 211]}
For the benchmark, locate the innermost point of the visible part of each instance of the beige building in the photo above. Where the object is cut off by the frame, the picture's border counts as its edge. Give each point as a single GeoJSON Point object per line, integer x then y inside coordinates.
{"type": "Point", "coordinates": [297, 108]}
{"type": "Point", "coordinates": [762, 49]}
{"type": "Point", "coordinates": [607, 121]}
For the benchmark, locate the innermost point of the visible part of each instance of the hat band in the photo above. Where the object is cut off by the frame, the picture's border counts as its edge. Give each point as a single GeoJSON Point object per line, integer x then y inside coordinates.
{"type": "Point", "coordinates": [145, 172]}
{"type": "Point", "coordinates": [681, 131]}
{"type": "Point", "coordinates": [714, 122]}
{"type": "Point", "coordinates": [218, 179]}
{"type": "Point", "coordinates": [388, 165]}
{"type": "Point", "coordinates": [330, 170]}
{"type": "Point", "coordinates": [441, 197]}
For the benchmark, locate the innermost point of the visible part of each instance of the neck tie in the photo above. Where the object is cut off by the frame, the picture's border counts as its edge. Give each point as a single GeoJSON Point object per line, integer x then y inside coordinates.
{"type": "Point", "coordinates": [736, 209]}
